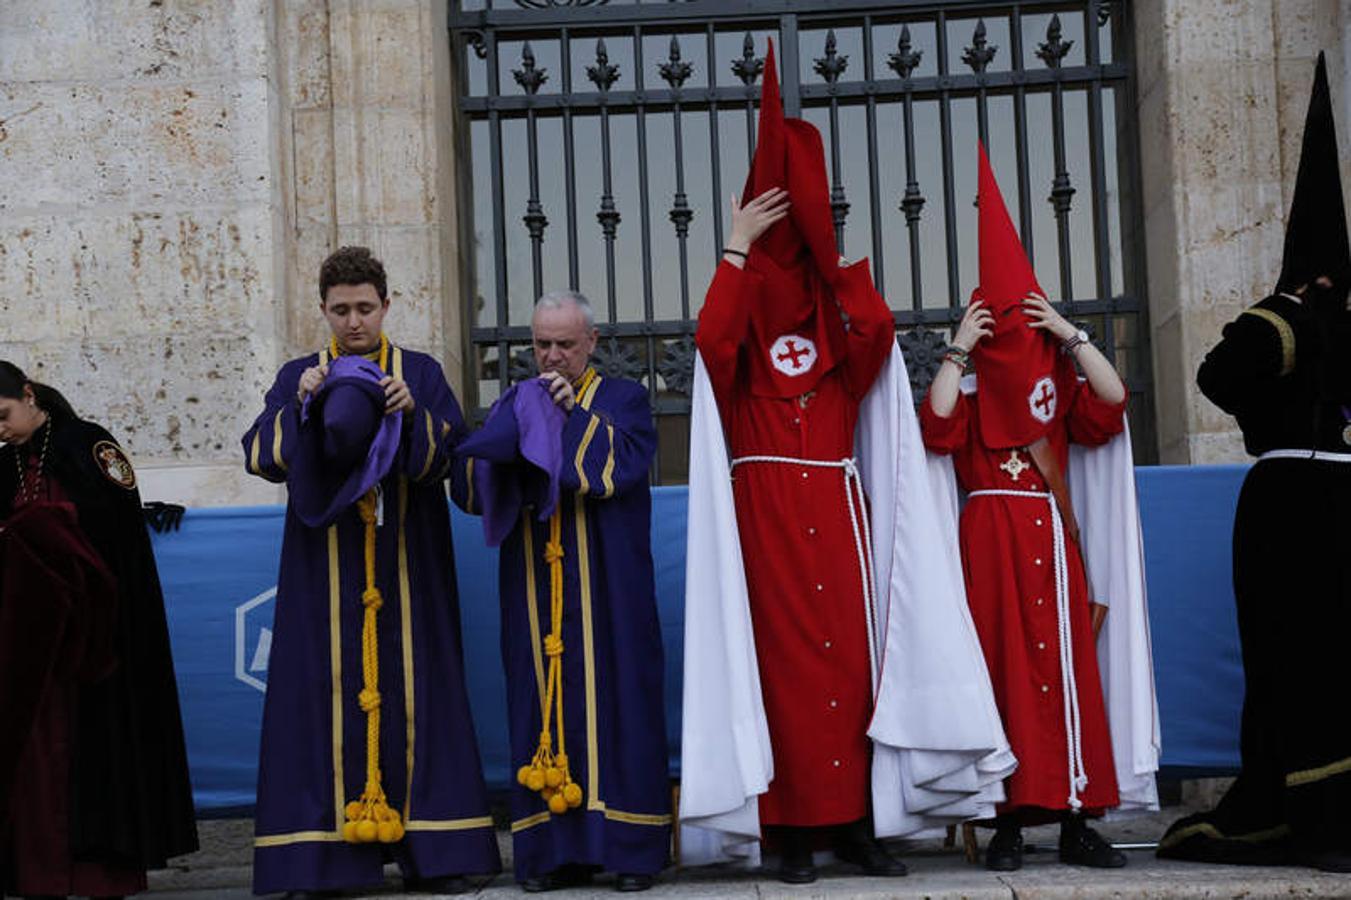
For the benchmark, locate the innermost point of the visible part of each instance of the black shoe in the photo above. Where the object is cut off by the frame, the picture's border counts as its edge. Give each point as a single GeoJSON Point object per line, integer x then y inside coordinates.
{"type": "Point", "coordinates": [1082, 846]}
{"type": "Point", "coordinates": [795, 865]}
{"type": "Point", "coordinates": [443, 884]}
{"type": "Point", "coordinates": [627, 884]}
{"type": "Point", "coordinates": [1005, 850]}
{"type": "Point", "coordinates": [1324, 860]}
{"type": "Point", "coordinates": [562, 877]}
{"type": "Point", "coordinates": [871, 856]}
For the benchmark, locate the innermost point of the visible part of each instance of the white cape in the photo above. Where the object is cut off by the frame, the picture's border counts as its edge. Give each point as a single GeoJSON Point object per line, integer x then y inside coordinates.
{"type": "Point", "coordinates": [1102, 489]}
{"type": "Point", "coordinates": [939, 751]}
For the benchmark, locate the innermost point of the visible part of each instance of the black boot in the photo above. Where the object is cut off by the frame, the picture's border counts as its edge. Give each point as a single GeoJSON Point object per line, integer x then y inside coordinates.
{"type": "Point", "coordinates": [1082, 846]}
{"type": "Point", "coordinates": [795, 863]}
{"type": "Point", "coordinates": [854, 843]}
{"type": "Point", "coordinates": [1005, 850]}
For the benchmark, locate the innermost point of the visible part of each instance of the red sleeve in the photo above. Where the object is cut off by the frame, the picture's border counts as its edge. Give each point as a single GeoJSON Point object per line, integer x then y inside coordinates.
{"type": "Point", "coordinates": [723, 323]}
{"type": "Point", "coordinates": [871, 332]}
{"type": "Point", "coordinates": [1092, 420]}
{"type": "Point", "coordinates": [945, 435]}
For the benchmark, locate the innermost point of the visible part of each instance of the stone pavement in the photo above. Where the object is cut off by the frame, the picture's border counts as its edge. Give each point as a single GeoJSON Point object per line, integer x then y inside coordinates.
{"type": "Point", "coordinates": [221, 870]}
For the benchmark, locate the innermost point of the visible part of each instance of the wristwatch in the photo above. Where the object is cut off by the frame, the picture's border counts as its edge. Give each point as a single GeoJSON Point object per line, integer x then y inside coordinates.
{"type": "Point", "coordinates": [1080, 337]}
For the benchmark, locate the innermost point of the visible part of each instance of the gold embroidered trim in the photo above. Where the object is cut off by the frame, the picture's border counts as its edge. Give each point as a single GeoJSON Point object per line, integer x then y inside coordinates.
{"type": "Point", "coordinates": [1286, 333]}
{"type": "Point", "coordinates": [1309, 776]}
{"type": "Point", "coordinates": [1205, 828]}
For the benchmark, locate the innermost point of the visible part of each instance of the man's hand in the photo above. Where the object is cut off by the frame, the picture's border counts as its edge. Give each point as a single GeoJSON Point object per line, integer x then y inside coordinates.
{"type": "Point", "coordinates": [310, 380]}
{"type": "Point", "coordinates": [560, 389]}
{"type": "Point", "coordinates": [755, 218]}
{"type": "Point", "coordinates": [397, 395]}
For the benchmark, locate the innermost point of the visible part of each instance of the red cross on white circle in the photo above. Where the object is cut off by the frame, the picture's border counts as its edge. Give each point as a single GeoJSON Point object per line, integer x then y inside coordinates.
{"type": "Point", "coordinates": [1042, 400]}
{"type": "Point", "coordinates": [793, 354]}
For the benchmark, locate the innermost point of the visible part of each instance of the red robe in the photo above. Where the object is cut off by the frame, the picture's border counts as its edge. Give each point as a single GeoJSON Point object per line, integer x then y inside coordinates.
{"type": "Point", "coordinates": [806, 590]}
{"type": "Point", "coordinates": [1007, 560]}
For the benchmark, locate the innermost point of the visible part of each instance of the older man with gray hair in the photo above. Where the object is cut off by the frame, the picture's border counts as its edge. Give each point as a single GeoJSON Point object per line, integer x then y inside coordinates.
{"type": "Point", "coordinates": [581, 642]}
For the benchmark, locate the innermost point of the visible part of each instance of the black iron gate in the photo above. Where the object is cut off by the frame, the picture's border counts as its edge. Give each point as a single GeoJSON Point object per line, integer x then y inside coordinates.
{"type": "Point", "coordinates": [600, 143]}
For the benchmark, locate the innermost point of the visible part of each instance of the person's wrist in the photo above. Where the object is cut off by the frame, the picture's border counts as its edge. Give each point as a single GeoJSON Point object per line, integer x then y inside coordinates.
{"type": "Point", "coordinates": [738, 244]}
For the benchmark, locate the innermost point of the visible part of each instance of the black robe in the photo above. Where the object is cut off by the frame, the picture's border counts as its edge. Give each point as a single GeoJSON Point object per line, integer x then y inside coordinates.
{"type": "Point", "coordinates": [131, 801]}
{"type": "Point", "coordinates": [1281, 371]}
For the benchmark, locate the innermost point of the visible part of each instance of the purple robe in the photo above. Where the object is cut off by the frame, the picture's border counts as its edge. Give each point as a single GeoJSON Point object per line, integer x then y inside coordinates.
{"type": "Point", "coordinates": [313, 755]}
{"type": "Point", "coordinates": [614, 705]}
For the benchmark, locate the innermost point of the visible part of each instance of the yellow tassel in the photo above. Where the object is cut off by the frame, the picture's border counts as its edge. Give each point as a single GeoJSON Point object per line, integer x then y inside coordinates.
{"type": "Point", "coordinates": [369, 818]}
{"type": "Point", "coordinates": [548, 773]}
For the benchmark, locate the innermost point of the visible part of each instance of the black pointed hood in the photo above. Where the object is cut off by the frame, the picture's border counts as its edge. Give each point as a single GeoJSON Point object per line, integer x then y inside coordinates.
{"type": "Point", "coordinates": [1316, 233]}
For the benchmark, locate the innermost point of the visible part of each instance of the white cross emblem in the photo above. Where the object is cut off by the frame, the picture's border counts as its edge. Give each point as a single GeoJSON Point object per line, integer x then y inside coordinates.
{"type": "Point", "coordinates": [792, 354]}
{"type": "Point", "coordinates": [1042, 400]}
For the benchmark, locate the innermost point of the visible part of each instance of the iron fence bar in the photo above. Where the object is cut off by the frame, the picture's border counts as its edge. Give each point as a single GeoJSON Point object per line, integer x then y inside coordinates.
{"type": "Point", "coordinates": [608, 216]}
{"type": "Point", "coordinates": [675, 72]}
{"type": "Point", "coordinates": [1052, 51]}
{"type": "Point", "coordinates": [645, 227]}
{"type": "Point", "coordinates": [1020, 136]}
{"type": "Point", "coordinates": [904, 61]}
{"type": "Point", "coordinates": [715, 157]}
{"type": "Point", "coordinates": [530, 78]}
{"type": "Point", "coordinates": [874, 185]}
{"type": "Point", "coordinates": [1097, 158]}
{"type": "Point", "coordinates": [499, 209]}
{"type": "Point", "coordinates": [570, 167]}
{"type": "Point", "coordinates": [945, 134]}
{"type": "Point", "coordinates": [790, 81]}
{"type": "Point", "coordinates": [830, 67]}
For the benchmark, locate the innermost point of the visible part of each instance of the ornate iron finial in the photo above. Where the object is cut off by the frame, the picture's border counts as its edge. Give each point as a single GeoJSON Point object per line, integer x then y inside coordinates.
{"type": "Point", "coordinates": [681, 215]}
{"type": "Point", "coordinates": [528, 76]}
{"type": "Point", "coordinates": [534, 219]}
{"type": "Point", "coordinates": [912, 202]}
{"type": "Point", "coordinates": [749, 66]}
{"type": "Point", "coordinates": [981, 52]}
{"type": "Point", "coordinates": [1061, 192]}
{"type": "Point", "coordinates": [904, 60]}
{"type": "Point", "coordinates": [1053, 49]}
{"type": "Point", "coordinates": [604, 73]}
{"type": "Point", "coordinates": [608, 217]}
{"type": "Point", "coordinates": [675, 70]}
{"type": "Point", "coordinates": [1104, 12]}
{"type": "Point", "coordinates": [832, 65]}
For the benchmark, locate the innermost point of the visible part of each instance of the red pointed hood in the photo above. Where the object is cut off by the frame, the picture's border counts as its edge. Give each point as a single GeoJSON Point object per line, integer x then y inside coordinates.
{"type": "Point", "coordinates": [795, 320]}
{"type": "Point", "coordinates": [1023, 376]}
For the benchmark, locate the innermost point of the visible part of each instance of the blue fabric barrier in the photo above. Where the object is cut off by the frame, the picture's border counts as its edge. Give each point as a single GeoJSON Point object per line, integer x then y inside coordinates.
{"type": "Point", "coordinates": [219, 573]}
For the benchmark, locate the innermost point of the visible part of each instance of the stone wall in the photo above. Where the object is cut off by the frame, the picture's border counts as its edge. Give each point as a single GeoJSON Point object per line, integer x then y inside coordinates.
{"type": "Point", "coordinates": [174, 171]}
{"type": "Point", "coordinates": [1222, 93]}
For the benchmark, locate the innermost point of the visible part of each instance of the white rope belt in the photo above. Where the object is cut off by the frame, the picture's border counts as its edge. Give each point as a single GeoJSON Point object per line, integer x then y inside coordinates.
{"type": "Point", "coordinates": [1320, 455]}
{"type": "Point", "coordinates": [1078, 777]}
{"type": "Point", "coordinates": [863, 541]}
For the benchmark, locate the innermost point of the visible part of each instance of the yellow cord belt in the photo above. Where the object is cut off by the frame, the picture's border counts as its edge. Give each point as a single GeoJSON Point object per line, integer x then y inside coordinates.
{"type": "Point", "coordinates": [548, 772]}
{"type": "Point", "coordinates": [369, 819]}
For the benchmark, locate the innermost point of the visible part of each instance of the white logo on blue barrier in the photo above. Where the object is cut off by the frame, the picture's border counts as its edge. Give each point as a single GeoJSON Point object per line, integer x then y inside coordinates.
{"type": "Point", "coordinates": [250, 626]}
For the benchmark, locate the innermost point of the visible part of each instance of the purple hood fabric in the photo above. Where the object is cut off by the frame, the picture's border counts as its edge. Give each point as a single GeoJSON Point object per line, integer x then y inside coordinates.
{"type": "Point", "coordinates": [519, 451]}
{"type": "Point", "coordinates": [347, 443]}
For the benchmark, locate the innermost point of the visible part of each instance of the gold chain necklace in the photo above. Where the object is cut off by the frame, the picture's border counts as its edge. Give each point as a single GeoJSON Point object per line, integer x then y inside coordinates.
{"type": "Point", "coordinates": [24, 495]}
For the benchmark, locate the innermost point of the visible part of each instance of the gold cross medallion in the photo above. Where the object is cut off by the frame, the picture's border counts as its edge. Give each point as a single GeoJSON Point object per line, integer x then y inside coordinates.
{"type": "Point", "coordinates": [1014, 465]}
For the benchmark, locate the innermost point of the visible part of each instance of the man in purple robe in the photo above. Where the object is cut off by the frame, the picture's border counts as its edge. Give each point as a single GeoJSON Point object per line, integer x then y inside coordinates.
{"type": "Point", "coordinates": [368, 749]}
{"type": "Point", "coordinates": [581, 642]}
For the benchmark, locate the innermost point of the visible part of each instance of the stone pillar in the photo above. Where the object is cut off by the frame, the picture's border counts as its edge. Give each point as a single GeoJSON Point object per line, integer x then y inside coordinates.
{"type": "Point", "coordinates": [174, 173]}
{"type": "Point", "coordinates": [138, 263]}
{"type": "Point", "coordinates": [1223, 86]}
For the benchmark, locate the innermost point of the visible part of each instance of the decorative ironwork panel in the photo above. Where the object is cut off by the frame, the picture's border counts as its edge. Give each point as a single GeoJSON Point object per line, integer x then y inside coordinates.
{"type": "Point", "coordinates": [600, 141]}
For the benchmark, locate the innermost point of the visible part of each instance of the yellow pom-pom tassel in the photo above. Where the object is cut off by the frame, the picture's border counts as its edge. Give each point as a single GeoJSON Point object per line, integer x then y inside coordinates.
{"type": "Point", "coordinates": [553, 776]}
{"type": "Point", "coordinates": [572, 794]}
{"type": "Point", "coordinates": [349, 833]}
{"type": "Point", "coordinates": [558, 805]}
{"type": "Point", "coordinates": [523, 775]}
{"type": "Point", "coordinates": [389, 832]}
{"type": "Point", "coordinates": [367, 831]}
{"type": "Point", "coordinates": [536, 780]}
{"type": "Point", "coordinates": [353, 810]}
